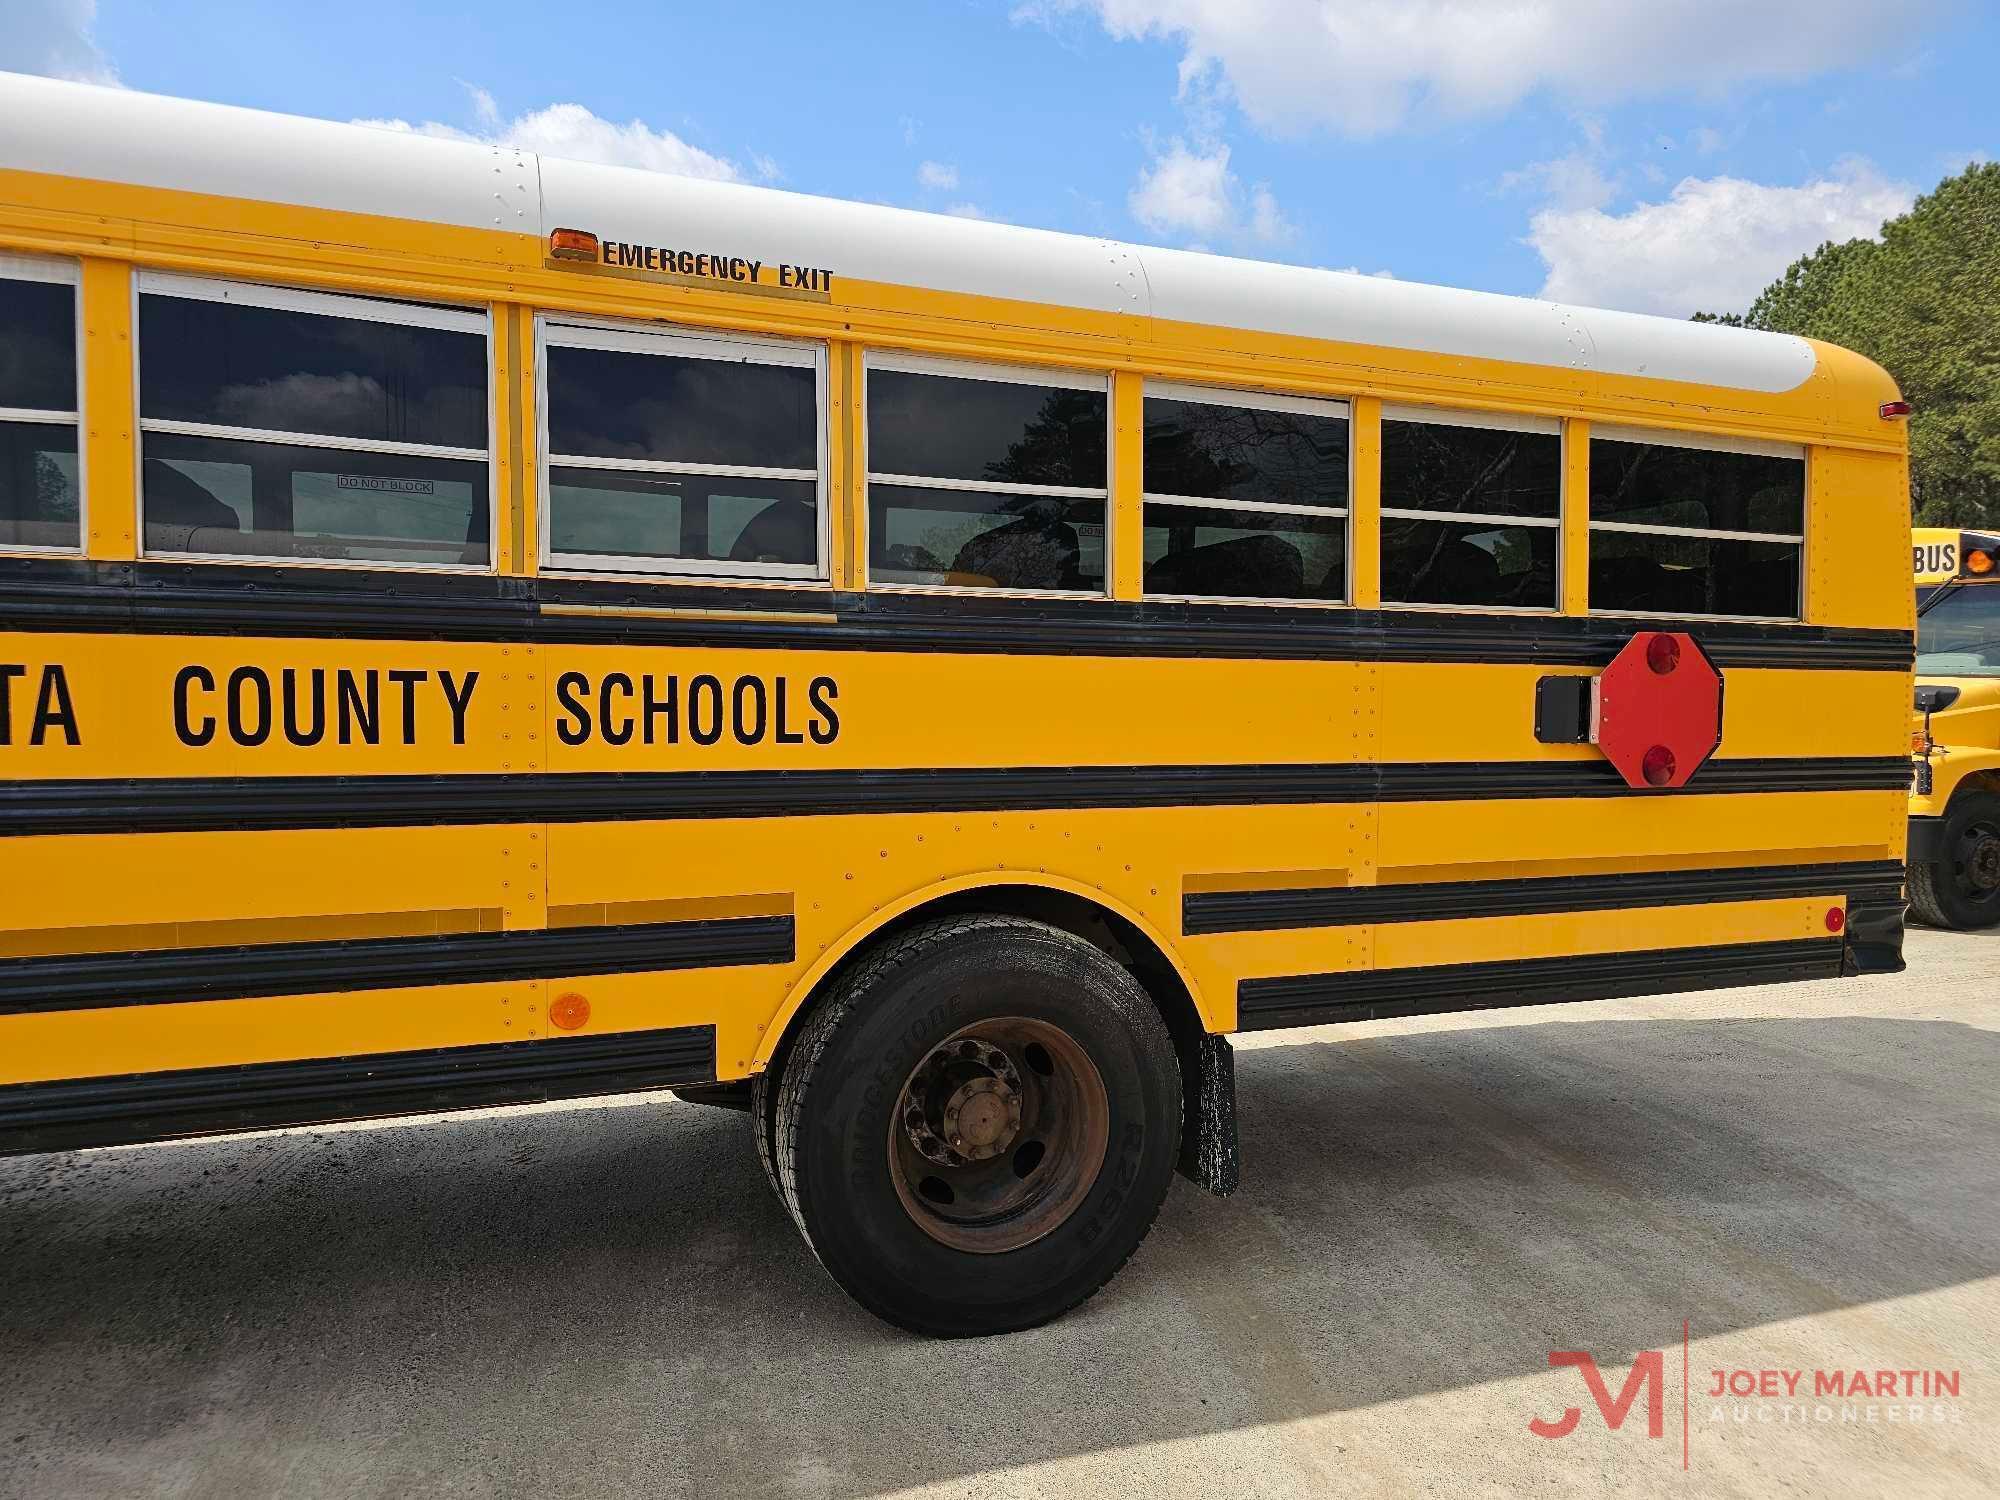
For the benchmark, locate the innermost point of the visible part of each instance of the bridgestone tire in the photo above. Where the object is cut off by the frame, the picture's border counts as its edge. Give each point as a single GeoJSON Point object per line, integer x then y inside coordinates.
{"type": "Point", "coordinates": [840, 1094]}
{"type": "Point", "coordinates": [1942, 893]}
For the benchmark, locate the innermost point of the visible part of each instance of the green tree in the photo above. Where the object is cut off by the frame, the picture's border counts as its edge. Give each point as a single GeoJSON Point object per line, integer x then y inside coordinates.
{"type": "Point", "coordinates": [1924, 303]}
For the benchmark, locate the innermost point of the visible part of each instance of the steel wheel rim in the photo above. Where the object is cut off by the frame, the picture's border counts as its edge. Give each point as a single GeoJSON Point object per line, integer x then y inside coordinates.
{"type": "Point", "coordinates": [998, 1134]}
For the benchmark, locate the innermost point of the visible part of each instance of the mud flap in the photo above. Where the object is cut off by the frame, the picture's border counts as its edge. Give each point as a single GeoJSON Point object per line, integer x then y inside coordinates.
{"type": "Point", "coordinates": [1208, 1134]}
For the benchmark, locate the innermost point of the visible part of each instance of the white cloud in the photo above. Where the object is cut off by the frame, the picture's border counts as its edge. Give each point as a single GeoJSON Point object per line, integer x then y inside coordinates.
{"type": "Point", "coordinates": [54, 38]}
{"type": "Point", "coordinates": [1712, 245]}
{"type": "Point", "coordinates": [1295, 64]}
{"type": "Point", "coordinates": [939, 176]}
{"type": "Point", "coordinates": [1189, 190]}
{"type": "Point", "coordinates": [570, 130]}
{"type": "Point", "coordinates": [968, 211]}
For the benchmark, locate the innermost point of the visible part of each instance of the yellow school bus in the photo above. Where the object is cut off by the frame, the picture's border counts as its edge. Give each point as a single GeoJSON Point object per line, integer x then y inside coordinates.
{"type": "Point", "coordinates": [479, 628]}
{"type": "Point", "coordinates": [1954, 848]}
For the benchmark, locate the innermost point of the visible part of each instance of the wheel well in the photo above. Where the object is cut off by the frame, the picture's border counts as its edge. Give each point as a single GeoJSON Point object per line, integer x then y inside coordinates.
{"type": "Point", "coordinates": [1205, 1114]}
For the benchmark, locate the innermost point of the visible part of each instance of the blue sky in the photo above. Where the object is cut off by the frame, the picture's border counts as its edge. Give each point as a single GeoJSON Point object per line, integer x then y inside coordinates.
{"type": "Point", "coordinates": [1661, 155]}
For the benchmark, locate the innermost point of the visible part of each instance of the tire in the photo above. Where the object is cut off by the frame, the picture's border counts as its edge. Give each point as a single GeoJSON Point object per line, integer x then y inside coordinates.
{"type": "Point", "coordinates": [1059, 1087]}
{"type": "Point", "coordinates": [1961, 889]}
{"type": "Point", "coordinates": [764, 1120]}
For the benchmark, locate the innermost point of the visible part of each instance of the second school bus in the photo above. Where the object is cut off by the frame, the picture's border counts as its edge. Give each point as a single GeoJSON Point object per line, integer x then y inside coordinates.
{"type": "Point", "coordinates": [479, 628]}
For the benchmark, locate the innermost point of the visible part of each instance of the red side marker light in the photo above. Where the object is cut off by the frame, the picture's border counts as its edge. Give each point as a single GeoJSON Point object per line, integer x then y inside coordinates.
{"type": "Point", "coordinates": [1663, 654]}
{"type": "Point", "coordinates": [1891, 409]}
{"type": "Point", "coordinates": [1836, 919]}
{"type": "Point", "coordinates": [572, 244]}
{"type": "Point", "coordinates": [1658, 766]}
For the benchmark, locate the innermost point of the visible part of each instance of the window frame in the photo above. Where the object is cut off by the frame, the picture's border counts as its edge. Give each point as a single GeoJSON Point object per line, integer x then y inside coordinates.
{"type": "Point", "coordinates": [621, 336]}
{"type": "Point", "coordinates": [1492, 421]}
{"type": "Point", "coordinates": [1254, 400]}
{"type": "Point", "coordinates": [955, 368]}
{"type": "Point", "coordinates": [54, 270]}
{"type": "Point", "coordinates": [358, 307]}
{"type": "Point", "coordinates": [1710, 442]}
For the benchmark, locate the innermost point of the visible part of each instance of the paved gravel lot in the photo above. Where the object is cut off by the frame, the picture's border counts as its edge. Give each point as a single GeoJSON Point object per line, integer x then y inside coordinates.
{"type": "Point", "coordinates": [606, 1299]}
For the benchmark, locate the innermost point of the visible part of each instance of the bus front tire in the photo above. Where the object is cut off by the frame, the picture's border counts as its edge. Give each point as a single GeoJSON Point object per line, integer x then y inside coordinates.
{"type": "Point", "coordinates": [1961, 888]}
{"type": "Point", "coordinates": [976, 1129]}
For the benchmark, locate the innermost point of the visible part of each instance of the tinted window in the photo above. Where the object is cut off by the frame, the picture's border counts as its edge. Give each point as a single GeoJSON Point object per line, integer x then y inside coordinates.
{"type": "Point", "coordinates": [1475, 470]}
{"type": "Point", "coordinates": [38, 345]}
{"type": "Point", "coordinates": [1468, 562]}
{"type": "Point", "coordinates": [693, 517]}
{"type": "Point", "coordinates": [1655, 509]}
{"type": "Point", "coordinates": [38, 485]}
{"type": "Point", "coordinates": [1658, 484]}
{"type": "Point", "coordinates": [1664, 573]}
{"type": "Point", "coordinates": [223, 495]}
{"type": "Point", "coordinates": [944, 427]}
{"type": "Point", "coordinates": [1248, 554]}
{"type": "Point", "coordinates": [231, 365]}
{"type": "Point", "coordinates": [974, 539]}
{"type": "Point", "coordinates": [1245, 453]}
{"type": "Point", "coordinates": [710, 413]}
{"type": "Point", "coordinates": [612, 404]}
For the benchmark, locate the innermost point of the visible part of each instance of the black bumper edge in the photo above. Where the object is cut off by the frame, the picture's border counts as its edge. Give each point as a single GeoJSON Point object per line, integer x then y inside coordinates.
{"type": "Point", "coordinates": [1874, 935]}
{"type": "Point", "coordinates": [124, 1109]}
{"type": "Point", "coordinates": [1209, 1157]}
{"type": "Point", "coordinates": [1926, 840]}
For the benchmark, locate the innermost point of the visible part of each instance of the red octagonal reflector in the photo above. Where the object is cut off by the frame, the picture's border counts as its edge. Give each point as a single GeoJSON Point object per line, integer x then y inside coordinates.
{"type": "Point", "coordinates": [1657, 710]}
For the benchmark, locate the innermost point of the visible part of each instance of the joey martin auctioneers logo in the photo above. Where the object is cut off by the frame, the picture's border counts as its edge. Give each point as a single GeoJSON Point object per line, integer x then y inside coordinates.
{"type": "Point", "coordinates": [1818, 1397]}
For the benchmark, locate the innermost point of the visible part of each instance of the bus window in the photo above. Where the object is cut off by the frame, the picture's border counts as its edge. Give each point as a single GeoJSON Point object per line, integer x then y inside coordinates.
{"type": "Point", "coordinates": [1471, 509]}
{"type": "Point", "coordinates": [1245, 495]}
{"type": "Point", "coordinates": [986, 477]}
{"type": "Point", "coordinates": [679, 453]}
{"type": "Point", "coordinates": [38, 406]}
{"type": "Point", "coordinates": [1692, 526]}
{"type": "Point", "coordinates": [280, 423]}
{"type": "Point", "coordinates": [1959, 635]}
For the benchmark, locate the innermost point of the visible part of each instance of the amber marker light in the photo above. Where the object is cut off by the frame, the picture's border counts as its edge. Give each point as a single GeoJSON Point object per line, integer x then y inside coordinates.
{"type": "Point", "coordinates": [1979, 564]}
{"type": "Point", "coordinates": [568, 1012]}
{"type": "Point", "coordinates": [572, 244]}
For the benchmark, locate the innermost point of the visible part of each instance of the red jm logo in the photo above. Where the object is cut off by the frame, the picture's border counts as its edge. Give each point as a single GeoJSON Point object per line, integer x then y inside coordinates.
{"type": "Point", "coordinates": [1645, 1373]}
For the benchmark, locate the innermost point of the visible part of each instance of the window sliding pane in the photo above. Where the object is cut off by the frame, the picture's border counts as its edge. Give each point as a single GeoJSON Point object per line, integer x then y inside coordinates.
{"type": "Point", "coordinates": [973, 539]}
{"type": "Point", "coordinates": [38, 345]}
{"type": "Point", "coordinates": [944, 427]}
{"type": "Point", "coordinates": [1692, 575]}
{"type": "Point", "coordinates": [1245, 453]}
{"type": "Point", "coordinates": [1244, 554]}
{"type": "Point", "coordinates": [671, 409]}
{"type": "Point", "coordinates": [1657, 484]}
{"type": "Point", "coordinates": [216, 495]}
{"type": "Point", "coordinates": [38, 489]}
{"type": "Point", "coordinates": [1468, 562]}
{"type": "Point", "coordinates": [1478, 470]}
{"type": "Point", "coordinates": [684, 517]}
{"type": "Point", "coordinates": [233, 365]}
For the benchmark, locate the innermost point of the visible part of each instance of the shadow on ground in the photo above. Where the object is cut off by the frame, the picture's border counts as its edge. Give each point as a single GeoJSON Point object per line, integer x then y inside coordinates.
{"type": "Point", "coordinates": [580, 1301]}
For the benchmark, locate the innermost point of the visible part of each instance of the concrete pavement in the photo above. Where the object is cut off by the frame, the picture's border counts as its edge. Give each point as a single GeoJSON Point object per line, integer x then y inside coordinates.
{"type": "Point", "coordinates": [606, 1299]}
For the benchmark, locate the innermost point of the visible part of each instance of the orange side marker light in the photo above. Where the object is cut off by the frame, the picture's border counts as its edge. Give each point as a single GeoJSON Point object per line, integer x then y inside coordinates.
{"type": "Point", "coordinates": [569, 1011]}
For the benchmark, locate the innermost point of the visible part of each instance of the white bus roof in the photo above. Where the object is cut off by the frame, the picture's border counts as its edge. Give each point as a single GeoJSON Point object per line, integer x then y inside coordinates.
{"type": "Point", "coordinates": [115, 135]}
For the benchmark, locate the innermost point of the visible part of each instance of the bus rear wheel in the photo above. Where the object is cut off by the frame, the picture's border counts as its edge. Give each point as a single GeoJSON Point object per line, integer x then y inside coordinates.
{"type": "Point", "coordinates": [1961, 888]}
{"type": "Point", "coordinates": [977, 1128]}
